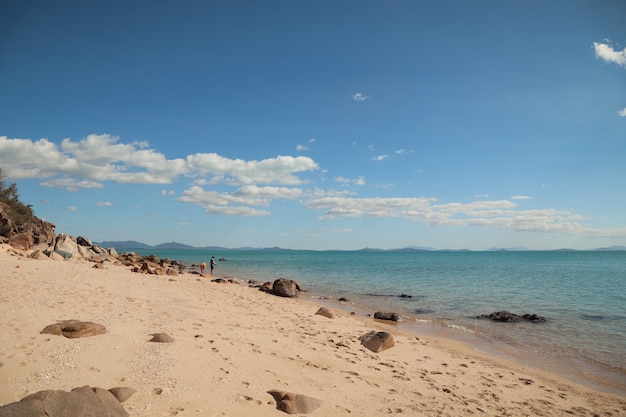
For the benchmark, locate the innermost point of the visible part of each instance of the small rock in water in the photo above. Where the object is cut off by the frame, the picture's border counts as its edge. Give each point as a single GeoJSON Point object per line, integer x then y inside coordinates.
{"type": "Point", "coordinates": [387, 316]}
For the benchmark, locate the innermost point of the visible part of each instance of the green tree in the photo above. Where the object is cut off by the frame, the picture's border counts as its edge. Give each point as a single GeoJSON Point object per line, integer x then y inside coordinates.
{"type": "Point", "coordinates": [18, 212]}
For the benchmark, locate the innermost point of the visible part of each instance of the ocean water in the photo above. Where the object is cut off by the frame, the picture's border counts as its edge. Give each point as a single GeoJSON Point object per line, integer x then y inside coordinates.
{"type": "Point", "coordinates": [581, 294]}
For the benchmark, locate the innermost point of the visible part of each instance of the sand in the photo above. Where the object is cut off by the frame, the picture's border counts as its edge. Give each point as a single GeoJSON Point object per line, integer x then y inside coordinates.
{"type": "Point", "coordinates": [232, 344]}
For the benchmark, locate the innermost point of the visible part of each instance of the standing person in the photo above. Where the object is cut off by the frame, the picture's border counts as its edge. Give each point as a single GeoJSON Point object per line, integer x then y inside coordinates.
{"type": "Point", "coordinates": [213, 263]}
{"type": "Point", "coordinates": [203, 268]}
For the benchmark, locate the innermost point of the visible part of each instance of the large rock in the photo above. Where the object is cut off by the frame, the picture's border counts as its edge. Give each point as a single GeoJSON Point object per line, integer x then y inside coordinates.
{"type": "Point", "coordinates": [80, 402]}
{"type": "Point", "coordinates": [83, 241]}
{"type": "Point", "coordinates": [283, 287]}
{"type": "Point", "coordinates": [377, 341]}
{"type": "Point", "coordinates": [73, 329]}
{"type": "Point", "coordinates": [291, 403]}
{"type": "Point", "coordinates": [67, 244]}
{"type": "Point", "coordinates": [24, 240]}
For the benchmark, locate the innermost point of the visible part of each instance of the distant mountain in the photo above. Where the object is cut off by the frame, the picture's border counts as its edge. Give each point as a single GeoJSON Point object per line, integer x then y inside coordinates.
{"type": "Point", "coordinates": [123, 245]}
{"type": "Point", "coordinates": [210, 248]}
{"type": "Point", "coordinates": [130, 245]}
{"type": "Point", "coordinates": [274, 249]}
{"type": "Point", "coordinates": [514, 249]}
{"type": "Point", "coordinates": [611, 248]}
{"type": "Point", "coordinates": [172, 245]}
{"type": "Point", "coordinates": [370, 250]}
{"type": "Point", "coordinates": [417, 249]}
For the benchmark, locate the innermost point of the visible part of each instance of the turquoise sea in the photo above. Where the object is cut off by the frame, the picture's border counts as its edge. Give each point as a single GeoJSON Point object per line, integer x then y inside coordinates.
{"type": "Point", "coordinates": [581, 293]}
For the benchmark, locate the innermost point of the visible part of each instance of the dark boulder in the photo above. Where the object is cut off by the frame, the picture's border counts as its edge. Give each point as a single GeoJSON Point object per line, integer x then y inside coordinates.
{"type": "Point", "coordinates": [534, 318]}
{"type": "Point", "coordinates": [387, 316]}
{"type": "Point", "coordinates": [507, 317]}
{"type": "Point", "coordinates": [266, 287]}
{"type": "Point", "coordinates": [283, 287]}
{"type": "Point", "coordinates": [377, 341]}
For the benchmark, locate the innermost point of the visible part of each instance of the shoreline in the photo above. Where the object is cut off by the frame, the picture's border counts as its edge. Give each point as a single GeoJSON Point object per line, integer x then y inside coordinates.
{"type": "Point", "coordinates": [591, 375]}
{"type": "Point", "coordinates": [234, 343]}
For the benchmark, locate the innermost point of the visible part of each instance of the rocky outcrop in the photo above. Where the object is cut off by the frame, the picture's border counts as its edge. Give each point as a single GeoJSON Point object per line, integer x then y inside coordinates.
{"type": "Point", "coordinates": [83, 401]}
{"type": "Point", "coordinates": [31, 235]}
{"type": "Point", "coordinates": [151, 264]}
{"type": "Point", "coordinates": [507, 317]}
{"type": "Point", "coordinates": [24, 236]}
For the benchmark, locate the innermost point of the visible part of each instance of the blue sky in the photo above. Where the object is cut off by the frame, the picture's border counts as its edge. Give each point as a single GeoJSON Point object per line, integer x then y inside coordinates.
{"type": "Point", "coordinates": [320, 124]}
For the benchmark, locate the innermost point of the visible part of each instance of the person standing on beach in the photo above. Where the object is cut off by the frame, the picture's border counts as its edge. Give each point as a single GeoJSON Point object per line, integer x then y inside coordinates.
{"type": "Point", "coordinates": [213, 263]}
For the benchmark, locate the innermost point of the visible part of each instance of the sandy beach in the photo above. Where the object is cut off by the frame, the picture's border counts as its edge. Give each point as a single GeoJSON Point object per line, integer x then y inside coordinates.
{"type": "Point", "coordinates": [233, 344]}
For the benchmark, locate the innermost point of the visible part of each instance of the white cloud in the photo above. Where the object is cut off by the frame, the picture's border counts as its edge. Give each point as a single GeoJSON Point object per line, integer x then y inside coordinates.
{"type": "Point", "coordinates": [380, 157]}
{"type": "Point", "coordinates": [71, 184]}
{"type": "Point", "coordinates": [606, 52]}
{"type": "Point", "coordinates": [305, 147]}
{"type": "Point", "coordinates": [622, 112]}
{"type": "Point", "coordinates": [241, 201]}
{"type": "Point", "coordinates": [253, 191]}
{"type": "Point", "coordinates": [347, 181]}
{"type": "Point", "coordinates": [98, 158]}
{"type": "Point", "coordinates": [346, 230]}
{"type": "Point", "coordinates": [501, 214]}
{"type": "Point", "coordinates": [359, 97]}
{"type": "Point", "coordinates": [104, 204]}
{"type": "Point", "coordinates": [277, 170]}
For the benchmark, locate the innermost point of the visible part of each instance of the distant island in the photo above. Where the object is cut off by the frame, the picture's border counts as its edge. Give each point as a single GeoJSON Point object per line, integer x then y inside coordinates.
{"type": "Point", "coordinates": [130, 245]}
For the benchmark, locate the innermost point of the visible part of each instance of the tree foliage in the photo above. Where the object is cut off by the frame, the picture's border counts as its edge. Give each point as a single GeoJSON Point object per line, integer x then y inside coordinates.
{"type": "Point", "coordinates": [18, 212]}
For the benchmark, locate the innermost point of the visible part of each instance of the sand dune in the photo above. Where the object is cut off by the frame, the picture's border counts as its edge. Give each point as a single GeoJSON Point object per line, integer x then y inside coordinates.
{"type": "Point", "coordinates": [233, 344]}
